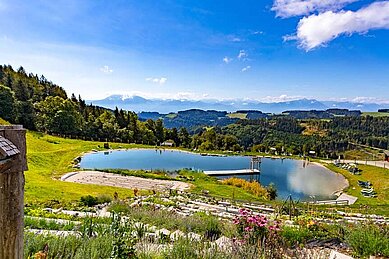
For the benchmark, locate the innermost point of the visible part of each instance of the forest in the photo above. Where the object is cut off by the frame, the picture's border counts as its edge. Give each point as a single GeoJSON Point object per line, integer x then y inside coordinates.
{"type": "Point", "coordinates": [41, 105]}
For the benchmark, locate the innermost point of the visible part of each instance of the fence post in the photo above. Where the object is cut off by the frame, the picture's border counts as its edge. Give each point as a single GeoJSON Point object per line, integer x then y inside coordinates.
{"type": "Point", "coordinates": [12, 166]}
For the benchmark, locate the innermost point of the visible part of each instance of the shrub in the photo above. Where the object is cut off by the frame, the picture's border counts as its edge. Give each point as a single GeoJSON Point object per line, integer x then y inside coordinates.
{"type": "Point", "coordinates": [103, 198]}
{"type": "Point", "coordinates": [89, 200]}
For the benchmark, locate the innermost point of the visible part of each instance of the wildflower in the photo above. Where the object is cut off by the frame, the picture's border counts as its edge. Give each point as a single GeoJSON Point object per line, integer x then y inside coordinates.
{"type": "Point", "coordinates": [251, 220]}
{"type": "Point", "coordinates": [248, 229]}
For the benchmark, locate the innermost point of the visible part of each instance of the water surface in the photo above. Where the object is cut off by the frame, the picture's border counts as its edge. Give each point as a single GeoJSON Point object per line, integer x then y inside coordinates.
{"type": "Point", "coordinates": [289, 176]}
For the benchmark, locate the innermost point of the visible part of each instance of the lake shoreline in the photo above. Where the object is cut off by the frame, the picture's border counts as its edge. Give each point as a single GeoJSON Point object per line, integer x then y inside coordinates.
{"type": "Point", "coordinates": [173, 161]}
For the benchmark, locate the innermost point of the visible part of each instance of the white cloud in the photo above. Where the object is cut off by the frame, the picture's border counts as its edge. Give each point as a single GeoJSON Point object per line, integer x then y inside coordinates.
{"type": "Point", "coordinates": [236, 39]}
{"type": "Point", "coordinates": [257, 33]}
{"type": "Point", "coordinates": [106, 70]}
{"type": "Point", "coordinates": [281, 98]}
{"type": "Point", "coordinates": [227, 60]}
{"type": "Point", "coordinates": [289, 8]}
{"type": "Point", "coordinates": [365, 99]}
{"type": "Point", "coordinates": [246, 68]}
{"type": "Point", "coordinates": [242, 54]}
{"type": "Point", "coordinates": [162, 95]}
{"type": "Point", "coordinates": [317, 30]}
{"type": "Point", "coordinates": [157, 80]}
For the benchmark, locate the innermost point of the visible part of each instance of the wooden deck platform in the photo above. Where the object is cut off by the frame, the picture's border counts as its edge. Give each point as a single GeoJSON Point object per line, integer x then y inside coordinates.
{"type": "Point", "coordinates": [232, 172]}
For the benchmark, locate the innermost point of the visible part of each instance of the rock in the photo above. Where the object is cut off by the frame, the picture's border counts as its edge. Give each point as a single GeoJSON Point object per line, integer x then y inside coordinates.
{"type": "Point", "coordinates": [223, 242]}
{"type": "Point", "coordinates": [336, 255]}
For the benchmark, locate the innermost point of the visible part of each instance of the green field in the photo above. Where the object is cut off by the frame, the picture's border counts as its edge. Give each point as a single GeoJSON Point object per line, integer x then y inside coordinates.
{"type": "Point", "coordinates": [171, 115]}
{"type": "Point", "coordinates": [376, 114]}
{"type": "Point", "coordinates": [236, 115]}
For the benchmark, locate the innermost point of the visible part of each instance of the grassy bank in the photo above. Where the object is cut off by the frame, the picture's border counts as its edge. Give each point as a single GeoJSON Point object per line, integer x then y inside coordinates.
{"type": "Point", "coordinates": [378, 176]}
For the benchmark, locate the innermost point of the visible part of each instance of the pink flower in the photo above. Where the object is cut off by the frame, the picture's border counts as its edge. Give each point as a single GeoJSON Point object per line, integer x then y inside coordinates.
{"type": "Point", "coordinates": [248, 229]}
{"type": "Point", "coordinates": [250, 220]}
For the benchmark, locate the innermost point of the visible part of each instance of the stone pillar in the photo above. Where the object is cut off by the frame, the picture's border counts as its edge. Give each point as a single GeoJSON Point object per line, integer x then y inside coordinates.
{"type": "Point", "coordinates": [12, 165]}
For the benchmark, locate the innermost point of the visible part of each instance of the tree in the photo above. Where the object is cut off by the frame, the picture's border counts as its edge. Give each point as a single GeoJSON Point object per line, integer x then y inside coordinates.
{"type": "Point", "coordinates": [57, 115]}
{"type": "Point", "coordinates": [7, 104]}
{"type": "Point", "coordinates": [159, 131]}
{"type": "Point", "coordinates": [184, 137]}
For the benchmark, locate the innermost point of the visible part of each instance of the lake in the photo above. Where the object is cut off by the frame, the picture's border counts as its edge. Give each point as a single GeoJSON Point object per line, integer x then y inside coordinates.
{"type": "Point", "coordinates": [289, 176]}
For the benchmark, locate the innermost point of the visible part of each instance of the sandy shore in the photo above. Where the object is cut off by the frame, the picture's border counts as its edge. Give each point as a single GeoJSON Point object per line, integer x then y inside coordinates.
{"type": "Point", "coordinates": [129, 182]}
{"type": "Point", "coordinates": [346, 184]}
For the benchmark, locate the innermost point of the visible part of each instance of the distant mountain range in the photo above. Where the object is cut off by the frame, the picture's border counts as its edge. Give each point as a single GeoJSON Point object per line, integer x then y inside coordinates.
{"type": "Point", "coordinates": [139, 104]}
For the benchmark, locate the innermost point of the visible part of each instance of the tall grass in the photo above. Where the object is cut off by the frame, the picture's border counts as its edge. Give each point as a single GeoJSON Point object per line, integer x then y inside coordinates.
{"type": "Point", "coordinates": [369, 239]}
{"type": "Point", "coordinates": [207, 225]}
{"type": "Point", "coordinates": [34, 223]}
{"type": "Point", "coordinates": [251, 187]}
{"type": "Point", "coordinates": [69, 247]}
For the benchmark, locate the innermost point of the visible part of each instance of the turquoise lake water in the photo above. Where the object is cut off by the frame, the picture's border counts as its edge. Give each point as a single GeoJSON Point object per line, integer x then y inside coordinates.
{"type": "Point", "coordinates": [290, 176]}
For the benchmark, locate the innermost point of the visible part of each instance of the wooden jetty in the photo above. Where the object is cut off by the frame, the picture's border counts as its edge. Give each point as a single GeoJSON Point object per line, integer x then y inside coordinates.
{"type": "Point", "coordinates": [232, 172]}
{"type": "Point", "coordinates": [255, 166]}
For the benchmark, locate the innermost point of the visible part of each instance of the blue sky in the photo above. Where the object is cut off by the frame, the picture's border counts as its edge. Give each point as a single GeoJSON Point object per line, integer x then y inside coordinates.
{"type": "Point", "coordinates": [221, 49]}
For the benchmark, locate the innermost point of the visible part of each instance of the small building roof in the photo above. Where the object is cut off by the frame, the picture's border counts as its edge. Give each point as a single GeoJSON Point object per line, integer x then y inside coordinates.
{"type": "Point", "coordinates": [7, 148]}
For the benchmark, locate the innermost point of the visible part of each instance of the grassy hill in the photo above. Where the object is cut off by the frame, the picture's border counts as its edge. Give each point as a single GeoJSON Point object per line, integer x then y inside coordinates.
{"type": "Point", "coordinates": [48, 159]}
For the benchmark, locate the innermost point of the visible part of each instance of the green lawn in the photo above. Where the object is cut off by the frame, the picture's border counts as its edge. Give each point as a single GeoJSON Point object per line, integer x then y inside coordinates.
{"type": "Point", "coordinates": [379, 177]}
{"type": "Point", "coordinates": [49, 158]}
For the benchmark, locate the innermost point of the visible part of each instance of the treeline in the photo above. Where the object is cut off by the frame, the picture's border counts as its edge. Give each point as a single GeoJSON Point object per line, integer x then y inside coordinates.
{"type": "Point", "coordinates": [281, 135]}
{"type": "Point", "coordinates": [39, 104]}
{"type": "Point", "coordinates": [287, 135]}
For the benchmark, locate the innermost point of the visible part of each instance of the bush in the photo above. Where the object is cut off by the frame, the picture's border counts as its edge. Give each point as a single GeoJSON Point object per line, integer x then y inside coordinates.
{"type": "Point", "coordinates": [103, 198]}
{"type": "Point", "coordinates": [89, 200]}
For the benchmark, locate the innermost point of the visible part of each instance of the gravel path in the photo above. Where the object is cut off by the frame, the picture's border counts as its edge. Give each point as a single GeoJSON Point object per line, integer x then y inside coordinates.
{"type": "Point", "coordinates": [129, 182]}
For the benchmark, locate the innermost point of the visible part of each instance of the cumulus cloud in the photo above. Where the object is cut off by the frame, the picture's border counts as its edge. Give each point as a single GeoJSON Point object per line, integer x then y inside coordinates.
{"type": "Point", "coordinates": [157, 80]}
{"type": "Point", "coordinates": [106, 70]}
{"type": "Point", "coordinates": [289, 8]}
{"type": "Point", "coordinates": [246, 68]}
{"type": "Point", "coordinates": [242, 54]}
{"type": "Point", "coordinates": [317, 30]}
{"type": "Point", "coordinates": [227, 60]}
